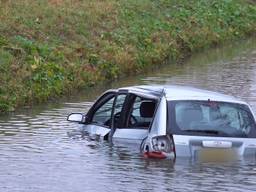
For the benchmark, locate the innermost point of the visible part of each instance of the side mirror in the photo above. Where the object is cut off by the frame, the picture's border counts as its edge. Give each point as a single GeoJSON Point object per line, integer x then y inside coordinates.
{"type": "Point", "coordinates": [76, 117]}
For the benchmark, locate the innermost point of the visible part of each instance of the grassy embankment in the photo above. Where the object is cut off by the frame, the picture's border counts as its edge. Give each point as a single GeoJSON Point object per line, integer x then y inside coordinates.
{"type": "Point", "coordinates": [50, 47]}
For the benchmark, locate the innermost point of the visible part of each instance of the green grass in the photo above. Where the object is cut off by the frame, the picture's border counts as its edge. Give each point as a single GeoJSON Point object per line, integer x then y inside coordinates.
{"type": "Point", "coordinates": [51, 47]}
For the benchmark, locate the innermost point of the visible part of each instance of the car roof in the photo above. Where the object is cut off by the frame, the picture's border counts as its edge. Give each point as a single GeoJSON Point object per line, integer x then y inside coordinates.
{"type": "Point", "coordinates": [177, 92]}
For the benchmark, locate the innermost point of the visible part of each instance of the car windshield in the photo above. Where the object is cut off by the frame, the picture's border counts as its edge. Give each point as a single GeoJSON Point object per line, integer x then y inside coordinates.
{"type": "Point", "coordinates": [210, 118]}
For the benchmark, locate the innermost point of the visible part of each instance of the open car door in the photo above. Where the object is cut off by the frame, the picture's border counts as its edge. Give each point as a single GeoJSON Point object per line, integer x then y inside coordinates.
{"type": "Point", "coordinates": [135, 118]}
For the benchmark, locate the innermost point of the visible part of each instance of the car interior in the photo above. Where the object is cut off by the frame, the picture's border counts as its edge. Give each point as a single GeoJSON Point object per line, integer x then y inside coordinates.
{"type": "Point", "coordinates": [142, 113]}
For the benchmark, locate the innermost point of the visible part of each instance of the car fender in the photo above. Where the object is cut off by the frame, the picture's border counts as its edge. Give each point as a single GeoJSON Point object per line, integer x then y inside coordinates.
{"type": "Point", "coordinates": [158, 127]}
{"type": "Point", "coordinates": [159, 123]}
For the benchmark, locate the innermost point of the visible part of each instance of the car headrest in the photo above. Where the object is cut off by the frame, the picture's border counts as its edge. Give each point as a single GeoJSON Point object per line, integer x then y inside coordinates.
{"type": "Point", "coordinates": [147, 109]}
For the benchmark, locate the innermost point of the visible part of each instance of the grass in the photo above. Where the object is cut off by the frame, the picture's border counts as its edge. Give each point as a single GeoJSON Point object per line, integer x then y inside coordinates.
{"type": "Point", "coordinates": [50, 47]}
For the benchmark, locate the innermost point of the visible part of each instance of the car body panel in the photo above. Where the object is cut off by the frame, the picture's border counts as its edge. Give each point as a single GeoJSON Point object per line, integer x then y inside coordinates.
{"type": "Point", "coordinates": [159, 124]}
{"type": "Point", "coordinates": [188, 145]}
{"type": "Point", "coordinates": [133, 134]}
{"type": "Point", "coordinates": [96, 130]}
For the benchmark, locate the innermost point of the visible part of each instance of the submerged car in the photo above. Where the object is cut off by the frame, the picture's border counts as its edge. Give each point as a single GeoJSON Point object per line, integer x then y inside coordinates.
{"type": "Point", "coordinates": [172, 121]}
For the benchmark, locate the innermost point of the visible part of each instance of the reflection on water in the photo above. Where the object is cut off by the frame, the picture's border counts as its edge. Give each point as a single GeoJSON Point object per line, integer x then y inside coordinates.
{"type": "Point", "coordinates": [41, 151]}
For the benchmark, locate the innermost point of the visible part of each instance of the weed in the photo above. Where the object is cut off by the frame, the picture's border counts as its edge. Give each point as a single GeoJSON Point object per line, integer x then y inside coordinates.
{"type": "Point", "coordinates": [49, 47]}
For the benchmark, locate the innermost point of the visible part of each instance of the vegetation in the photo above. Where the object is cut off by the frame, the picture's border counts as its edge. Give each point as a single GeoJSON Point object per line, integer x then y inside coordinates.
{"type": "Point", "coordinates": [50, 47]}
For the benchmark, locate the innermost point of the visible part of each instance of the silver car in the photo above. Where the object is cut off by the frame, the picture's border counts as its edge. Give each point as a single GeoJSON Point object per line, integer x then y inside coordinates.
{"type": "Point", "coordinates": [172, 121]}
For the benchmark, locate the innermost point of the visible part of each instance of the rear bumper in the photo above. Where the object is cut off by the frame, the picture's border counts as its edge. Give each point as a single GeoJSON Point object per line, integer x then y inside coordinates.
{"type": "Point", "coordinates": [192, 145]}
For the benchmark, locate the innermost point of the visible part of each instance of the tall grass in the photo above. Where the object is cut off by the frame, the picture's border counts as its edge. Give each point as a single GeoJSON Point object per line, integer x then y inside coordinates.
{"type": "Point", "coordinates": [50, 47]}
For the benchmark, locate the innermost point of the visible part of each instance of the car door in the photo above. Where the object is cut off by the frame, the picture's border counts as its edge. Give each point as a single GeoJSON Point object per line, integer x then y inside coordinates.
{"type": "Point", "coordinates": [98, 118]}
{"type": "Point", "coordinates": [105, 113]}
{"type": "Point", "coordinates": [136, 117]}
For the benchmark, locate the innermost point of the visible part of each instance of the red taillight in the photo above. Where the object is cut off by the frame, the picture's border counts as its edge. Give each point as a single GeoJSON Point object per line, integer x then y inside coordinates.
{"type": "Point", "coordinates": [155, 154]}
{"type": "Point", "coordinates": [162, 143]}
{"type": "Point", "coordinates": [161, 147]}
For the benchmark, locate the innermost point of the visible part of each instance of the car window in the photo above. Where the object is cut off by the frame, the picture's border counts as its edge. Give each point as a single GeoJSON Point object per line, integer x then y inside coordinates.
{"type": "Point", "coordinates": [207, 117]}
{"type": "Point", "coordinates": [102, 116]}
{"type": "Point", "coordinates": [142, 112]}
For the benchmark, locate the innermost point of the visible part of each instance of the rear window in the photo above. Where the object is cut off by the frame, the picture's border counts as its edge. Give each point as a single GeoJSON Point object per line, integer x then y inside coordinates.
{"type": "Point", "coordinates": [210, 118]}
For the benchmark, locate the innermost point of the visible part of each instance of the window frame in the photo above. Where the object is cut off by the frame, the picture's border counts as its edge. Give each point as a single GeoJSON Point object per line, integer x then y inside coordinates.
{"type": "Point", "coordinates": [99, 103]}
{"type": "Point", "coordinates": [125, 112]}
{"type": "Point", "coordinates": [123, 109]}
{"type": "Point", "coordinates": [103, 99]}
{"type": "Point", "coordinates": [128, 109]}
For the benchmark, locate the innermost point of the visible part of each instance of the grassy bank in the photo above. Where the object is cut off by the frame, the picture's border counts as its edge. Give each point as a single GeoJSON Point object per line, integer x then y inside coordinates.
{"type": "Point", "coordinates": [51, 47]}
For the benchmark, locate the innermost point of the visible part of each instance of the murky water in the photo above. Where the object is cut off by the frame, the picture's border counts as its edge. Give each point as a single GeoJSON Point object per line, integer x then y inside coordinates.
{"type": "Point", "coordinates": [40, 151]}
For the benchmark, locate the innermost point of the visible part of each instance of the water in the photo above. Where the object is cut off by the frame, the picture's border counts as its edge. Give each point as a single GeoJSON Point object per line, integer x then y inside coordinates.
{"type": "Point", "coordinates": [40, 151]}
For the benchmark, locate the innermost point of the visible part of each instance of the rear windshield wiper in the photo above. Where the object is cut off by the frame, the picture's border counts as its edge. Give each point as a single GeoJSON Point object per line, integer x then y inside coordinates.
{"type": "Point", "coordinates": [203, 131]}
